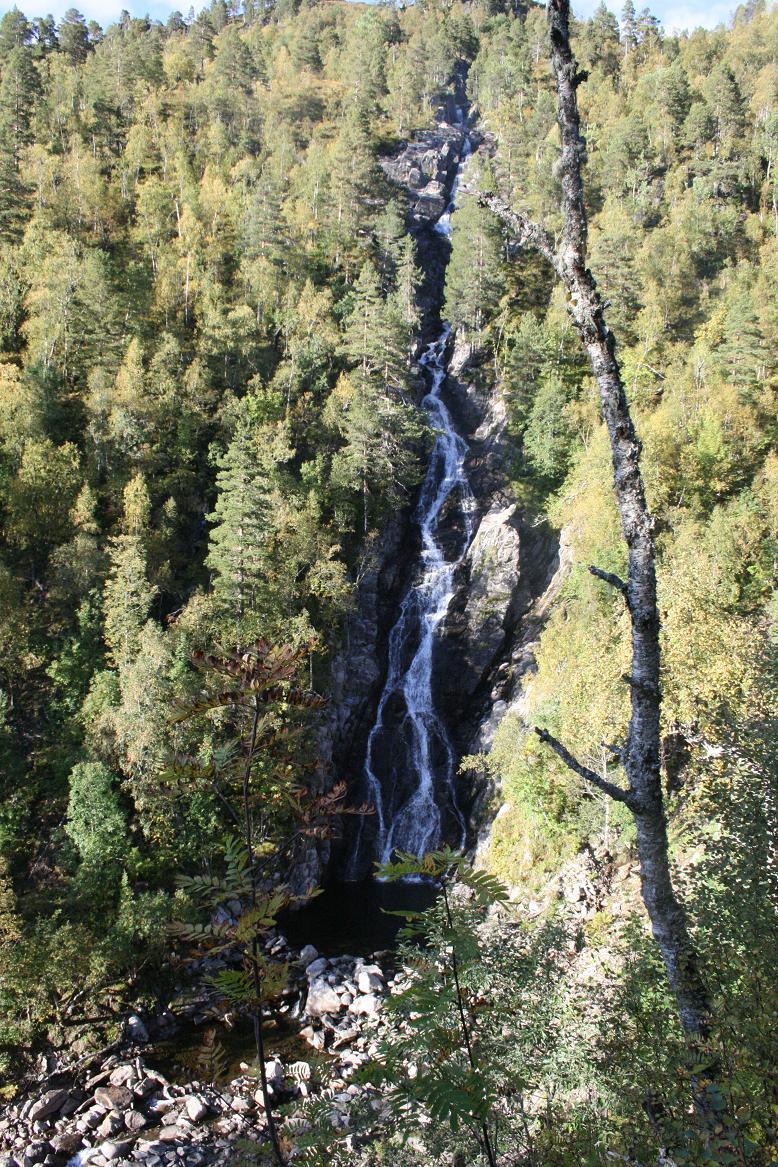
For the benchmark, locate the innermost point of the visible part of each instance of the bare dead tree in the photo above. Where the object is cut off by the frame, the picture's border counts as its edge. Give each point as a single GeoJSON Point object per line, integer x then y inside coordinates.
{"type": "Point", "coordinates": [640, 755]}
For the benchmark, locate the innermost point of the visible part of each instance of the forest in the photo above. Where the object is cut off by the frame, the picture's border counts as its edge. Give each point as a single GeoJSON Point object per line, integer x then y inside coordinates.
{"type": "Point", "coordinates": [216, 314]}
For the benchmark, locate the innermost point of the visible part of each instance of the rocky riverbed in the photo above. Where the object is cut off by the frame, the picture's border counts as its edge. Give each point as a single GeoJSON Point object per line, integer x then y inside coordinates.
{"type": "Point", "coordinates": [120, 1109]}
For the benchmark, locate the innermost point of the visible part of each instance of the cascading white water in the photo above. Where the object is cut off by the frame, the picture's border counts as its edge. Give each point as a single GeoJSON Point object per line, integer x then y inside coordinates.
{"type": "Point", "coordinates": [410, 764]}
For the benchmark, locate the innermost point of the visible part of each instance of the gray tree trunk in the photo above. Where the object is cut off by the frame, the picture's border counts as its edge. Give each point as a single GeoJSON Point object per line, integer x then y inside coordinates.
{"type": "Point", "coordinates": [641, 753]}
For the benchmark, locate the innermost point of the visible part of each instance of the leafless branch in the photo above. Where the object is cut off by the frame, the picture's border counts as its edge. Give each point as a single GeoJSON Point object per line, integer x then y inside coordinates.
{"type": "Point", "coordinates": [525, 232]}
{"type": "Point", "coordinates": [628, 797]}
{"type": "Point", "coordinates": [609, 578]}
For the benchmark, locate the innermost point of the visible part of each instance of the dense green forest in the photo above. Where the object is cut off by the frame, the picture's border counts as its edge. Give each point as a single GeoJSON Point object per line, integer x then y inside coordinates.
{"type": "Point", "coordinates": [210, 310]}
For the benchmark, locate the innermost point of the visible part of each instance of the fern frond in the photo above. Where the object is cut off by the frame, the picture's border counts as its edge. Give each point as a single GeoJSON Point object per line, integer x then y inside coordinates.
{"type": "Point", "coordinates": [488, 889]}
{"type": "Point", "coordinates": [233, 984]}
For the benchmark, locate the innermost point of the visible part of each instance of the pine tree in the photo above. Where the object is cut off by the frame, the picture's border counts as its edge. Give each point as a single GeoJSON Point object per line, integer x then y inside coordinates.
{"type": "Point", "coordinates": [18, 88]}
{"type": "Point", "coordinates": [353, 181]}
{"type": "Point", "coordinates": [474, 274]}
{"type": "Point", "coordinates": [648, 28]}
{"type": "Point", "coordinates": [603, 38]}
{"type": "Point", "coordinates": [381, 436]}
{"type": "Point", "coordinates": [629, 27]}
{"type": "Point", "coordinates": [376, 336]}
{"type": "Point", "coordinates": [726, 101]}
{"type": "Point", "coordinates": [15, 32]}
{"type": "Point", "coordinates": [237, 542]}
{"type": "Point", "coordinates": [743, 351]}
{"type": "Point", "coordinates": [407, 282]}
{"type": "Point", "coordinates": [74, 37]}
{"type": "Point", "coordinates": [389, 234]}
{"type": "Point", "coordinates": [263, 236]}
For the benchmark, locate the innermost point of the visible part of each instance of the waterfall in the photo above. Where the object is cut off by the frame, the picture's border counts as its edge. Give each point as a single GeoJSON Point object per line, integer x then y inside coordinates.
{"type": "Point", "coordinates": [410, 765]}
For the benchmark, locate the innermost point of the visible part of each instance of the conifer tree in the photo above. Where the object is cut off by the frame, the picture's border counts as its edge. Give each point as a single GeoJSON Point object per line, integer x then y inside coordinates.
{"type": "Point", "coordinates": [239, 536]}
{"type": "Point", "coordinates": [603, 40]}
{"type": "Point", "coordinates": [74, 37]}
{"type": "Point", "coordinates": [727, 105]}
{"type": "Point", "coordinates": [629, 27]}
{"type": "Point", "coordinates": [407, 282]}
{"type": "Point", "coordinates": [377, 335]}
{"type": "Point", "coordinates": [15, 32]}
{"type": "Point", "coordinates": [473, 276]}
{"type": "Point", "coordinates": [389, 236]}
{"type": "Point", "coordinates": [353, 179]}
{"type": "Point", "coordinates": [381, 435]}
{"type": "Point", "coordinates": [128, 595]}
{"type": "Point", "coordinates": [18, 88]}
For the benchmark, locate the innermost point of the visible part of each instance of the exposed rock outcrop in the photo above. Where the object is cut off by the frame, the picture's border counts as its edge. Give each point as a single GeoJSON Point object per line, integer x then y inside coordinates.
{"type": "Point", "coordinates": [425, 169]}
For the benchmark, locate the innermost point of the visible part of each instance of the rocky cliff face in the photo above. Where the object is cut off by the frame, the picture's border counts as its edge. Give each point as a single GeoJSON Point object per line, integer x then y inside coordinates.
{"type": "Point", "coordinates": [513, 569]}
{"type": "Point", "coordinates": [487, 638]}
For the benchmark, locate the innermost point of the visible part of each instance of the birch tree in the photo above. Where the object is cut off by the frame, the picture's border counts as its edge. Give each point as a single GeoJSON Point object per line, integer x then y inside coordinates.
{"type": "Point", "coordinates": [640, 754]}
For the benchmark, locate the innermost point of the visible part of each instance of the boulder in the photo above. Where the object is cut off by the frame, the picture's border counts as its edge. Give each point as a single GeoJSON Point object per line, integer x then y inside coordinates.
{"type": "Point", "coordinates": [367, 1005]}
{"type": "Point", "coordinates": [308, 955]}
{"type": "Point", "coordinates": [241, 1105]}
{"type": "Point", "coordinates": [115, 1148]}
{"type": "Point", "coordinates": [36, 1153]}
{"type": "Point", "coordinates": [370, 980]}
{"type": "Point", "coordinates": [314, 1037]}
{"type": "Point", "coordinates": [49, 1103]}
{"type": "Point", "coordinates": [113, 1097]}
{"type": "Point", "coordinates": [196, 1107]}
{"type": "Point", "coordinates": [316, 967]}
{"type": "Point", "coordinates": [122, 1075]}
{"type": "Point", "coordinates": [145, 1087]}
{"type": "Point", "coordinates": [274, 1072]}
{"type": "Point", "coordinates": [171, 1134]}
{"type": "Point", "coordinates": [93, 1117]}
{"type": "Point", "coordinates": [111, 1124]}
{"type": "Point", "coordinates": [137, 1031]}
{"type": "Point", "coordinates": [67, 1143]}
{"type": "Point", "coordinates": [322, 999]}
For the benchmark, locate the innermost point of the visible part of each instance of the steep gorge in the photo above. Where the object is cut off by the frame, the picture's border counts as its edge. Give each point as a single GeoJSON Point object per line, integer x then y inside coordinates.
{"type": "Point", "coordinates": [479, 623]}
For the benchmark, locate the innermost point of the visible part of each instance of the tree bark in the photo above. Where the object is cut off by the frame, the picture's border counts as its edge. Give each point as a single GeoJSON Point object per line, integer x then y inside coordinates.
{"type": "Point", "coordinates": [641, 754]}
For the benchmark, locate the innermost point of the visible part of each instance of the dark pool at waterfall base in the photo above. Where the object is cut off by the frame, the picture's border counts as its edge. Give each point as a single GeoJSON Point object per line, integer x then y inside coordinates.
{"type": "Point", "coordinates": [347, 918]}
{"type": "Point", "coordinates": [352, 917]}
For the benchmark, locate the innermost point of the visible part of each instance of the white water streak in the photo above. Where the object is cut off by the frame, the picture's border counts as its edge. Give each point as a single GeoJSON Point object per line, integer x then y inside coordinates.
{"type": "Point", "coordinates": [417, 825]}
